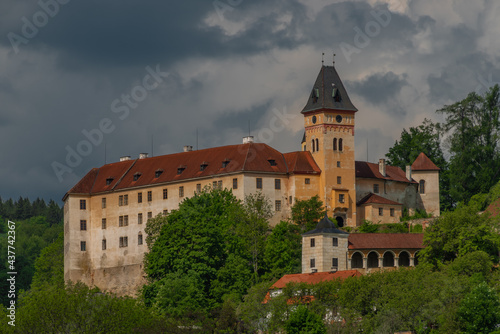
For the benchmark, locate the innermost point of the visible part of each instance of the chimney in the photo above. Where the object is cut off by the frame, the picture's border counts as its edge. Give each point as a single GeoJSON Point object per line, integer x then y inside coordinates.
{"type": "Point", "coordinates": [125, 158]}
{"type": "Point", "coordinates": [247, 139]}
{"type": "Point", "coordinates": [408, 172]}
{"type": "Point", "coordinates": [143, 155]}
{"type": "Point", "coordinates": [381, 167]}
{"type": "Point", "coordinates": [188, 148]}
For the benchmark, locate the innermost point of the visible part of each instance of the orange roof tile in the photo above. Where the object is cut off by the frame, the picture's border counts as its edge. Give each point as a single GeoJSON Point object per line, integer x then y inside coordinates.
{"type": "Point", "coordinates": [422, 162]}
{"type": "Point", "coordinates": [370, 170]}
{"type": "Point", "coordinates": [386, 240]}
{"type": "Point", "coordinates": [314, 278]}
{"type": "Point", "coordinates": [376, 199]}
{"type": "Point", "coordinates": [494, 208]}
{"type": "Point", "coordinates": [250, 157]}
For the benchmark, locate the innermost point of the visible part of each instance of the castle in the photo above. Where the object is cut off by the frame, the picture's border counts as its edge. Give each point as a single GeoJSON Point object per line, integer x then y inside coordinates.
{"type": "Point", "coordinates": [106, 211]}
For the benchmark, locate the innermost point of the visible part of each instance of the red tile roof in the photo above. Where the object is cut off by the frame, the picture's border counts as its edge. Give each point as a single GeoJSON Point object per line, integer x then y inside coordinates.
{"type": "Point", "coordinates": [386, 240]}
{"type": "Point", "coordinates": [494, 208]}
{"type": "Point", "coordinates": [314, 278]}
{"type": "Point", "coordinates": [369, 170]}
{"type": "Point", "coordinates": [376, 199]}
{"type": "Point", "coordinates": [251, 157]}
{"type": "Point", "coordinates": [422, 162]}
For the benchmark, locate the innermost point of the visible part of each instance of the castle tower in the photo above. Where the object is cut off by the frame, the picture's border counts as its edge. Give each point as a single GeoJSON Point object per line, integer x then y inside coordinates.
{"type": "Point", "coordinates": [324, 248]}
{"type": "Point", "coordinates": [329, 136]}
{"type": "Point", "coordinates": [426, 173]}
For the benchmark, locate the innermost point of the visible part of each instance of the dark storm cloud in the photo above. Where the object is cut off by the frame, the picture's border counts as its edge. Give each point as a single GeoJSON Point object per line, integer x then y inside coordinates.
{"type": "Point", "coordinates": [379, 87]}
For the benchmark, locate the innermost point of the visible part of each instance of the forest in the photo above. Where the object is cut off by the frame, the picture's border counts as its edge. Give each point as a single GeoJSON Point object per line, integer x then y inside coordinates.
{"type": "Point", "coordinates": [212, 261]}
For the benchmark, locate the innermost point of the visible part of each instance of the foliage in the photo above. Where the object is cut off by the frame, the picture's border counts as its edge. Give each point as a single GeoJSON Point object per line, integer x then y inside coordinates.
{"type": "Point", "coordinates": [49, 266]}
{"type": "Point", "coordinates": [479, 311]}
{"type": "Point", "coordinates": [473, 126]}
{"type": "Point", "coordinates": [419, 214]}
{"type": "Point", "coordinates": [283, 252]}
{"type": "Point", "coordinates": [153, 228]}
{"type": "Point", "coordinates": [457, 233]}
{"type": "Point", "coordinates": [424, 138]}
{"type": "Point", "coordinates": [368, 227]}
{"type": "Point", "coordinates": [302, 320]}
{"type": "Point", "coordinates": [307, 213]}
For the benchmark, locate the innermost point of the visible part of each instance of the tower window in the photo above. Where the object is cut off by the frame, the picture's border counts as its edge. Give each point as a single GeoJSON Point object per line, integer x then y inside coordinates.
{"type": "Point", "coordinates": [421, 186]}
{"type": "Point", "coordinates": [313, 146]}
{"type": "Point", "coordinates": [339, 179]}
{"type": "Point", "coordinates": [334, 144]}
{"type": "Point", "coordinates": [139, 218]}
{"type": "Point", "coordinates": [335, 263]}
{"type": "Point", "coordinates": [338, 164]}
{"type": "Point", "coordinates": [317, 144]}
{"type": "Point", "coordinates": [313, 242]}
{"type": "Point", "coordinates": [312, 263]}
{"type": "Point", "coordinates": [103, 244]}
{"type": "Point", "coordinates": [340, 145]}
{"type": "Point", "coordinates": [83, 246]}
{"type": "Point", "coordinates": [103, 223]}
{"type": "Point", "coordinates": [83, 204]}
{"type": "Point", "coordinates": [341, 198]}
{"type": "Point", "coordinates": [139, 239]}
{"type": "Point", "coordinates": [83, 225]}
{"type": "Point", "coordinates": [335, 242]}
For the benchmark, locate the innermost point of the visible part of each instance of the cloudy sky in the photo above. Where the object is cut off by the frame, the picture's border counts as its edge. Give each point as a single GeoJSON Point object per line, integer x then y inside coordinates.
{"type": "Point", "coordinates": [87, 77]}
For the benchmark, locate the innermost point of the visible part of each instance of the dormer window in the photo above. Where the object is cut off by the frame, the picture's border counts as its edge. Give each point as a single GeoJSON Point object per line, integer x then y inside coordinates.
{"type": "Point", "coordinates": [315, 94]}
{"type": "Point", "coordinates": [225, 163]}
{"type": "Point", "coordinates": [180, 169]}
{"type": "Point", "coordinates": [272, 162]}
{"type": "Point", "coordinates": [203, 165]}
{"type": "Point", "coordinates": [109, 180]}
{"type": "Point", "coordinates": [137, 176]}
{"type": "Point", "coordinates": [158, 172]}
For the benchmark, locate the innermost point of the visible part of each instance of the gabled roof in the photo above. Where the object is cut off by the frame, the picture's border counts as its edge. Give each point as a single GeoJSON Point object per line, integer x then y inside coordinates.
{"type": "Point", "coordinates": [376, 199]}
{"type": "Point", "coordinates": [331, 91]}
{"type": "Point", "coordinates": [314, 278]}
{"type": "Point", "coordinates": [250, 157]}
{"type": "Point", "coordinates": [370, 170]}
{"type": "Point", "coordinates": [386, 241]}
{"type": "Point", "coordinates": [422, 162]}
{"type": "Point", "coordinates": [301, 162]}
{"type": "Point", "coordinates": [325, 225]}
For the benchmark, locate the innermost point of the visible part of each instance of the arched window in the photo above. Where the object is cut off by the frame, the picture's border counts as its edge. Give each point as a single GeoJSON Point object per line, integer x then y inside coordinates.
{"type": "Point", "coordinates": [373, 260]}
{"type": "Point", "coordinates": [404, 259]}
{"type": "Point", "coordinates": [334, 144]}
{"type": "Point", "coordinates": [340, 144]}
{"type": "Point", "coordinates": [388, 259]}
{"type": "Point", "coordinates": [312, 142]}
{"type": "Point", "coordinates": [317, 144]}
{"type": "Point", "coordinates": [421, 186]}
{"type": "Point", "coordinates": [357, 260]}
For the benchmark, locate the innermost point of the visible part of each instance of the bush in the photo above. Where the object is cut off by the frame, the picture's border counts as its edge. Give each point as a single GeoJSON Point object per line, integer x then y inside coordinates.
{"type": "Point", "coordinates": [368, 227]}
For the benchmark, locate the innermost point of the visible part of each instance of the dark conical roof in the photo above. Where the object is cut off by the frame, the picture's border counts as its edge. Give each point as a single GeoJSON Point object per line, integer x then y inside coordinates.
{"type": "Point", "coordinates": [325, 225]}
{"type": "Point", "coordinates": [328, 92]}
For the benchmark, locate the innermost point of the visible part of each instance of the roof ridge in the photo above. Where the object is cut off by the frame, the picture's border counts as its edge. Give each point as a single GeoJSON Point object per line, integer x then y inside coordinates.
{"type": "Point", "coordinates": [125, 173]}
{"type": "Point", "coordinates": [246, 157]}
{"type": "Point", "coordinates": [95, 180]}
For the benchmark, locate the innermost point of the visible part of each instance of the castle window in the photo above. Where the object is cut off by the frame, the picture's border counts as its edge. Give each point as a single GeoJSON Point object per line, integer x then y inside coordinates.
{"type": "Point", "coordinates": [421, 186]}
{"type": "Point", "coordinates": [103, 244]}
{"type": "Point", "coordinates": [125, 220]}
{"type": "Point", "coordinates": [341, 145]}
{"type": "Point", "coordinates": [83, 246]}
{"type": "Point", "coordinates": [198, 187]}
{"type": "Point", "coordinates": [380, 211]}
{"type": "Point", "coordinates": [272, 162]}
{"type": "Point", "coordinates": [313, 242]}
{"type": "Point", "coordinates": [139, 218]}
{"type": "Point", "coordinates": [335, 242]}
{"type": "Point", "coordinates": [83, 204]}
{"type": "Point", "coordinates": [165, 193]}
{"type": "Point", "coordinates": [125, 199]}
{"type": "Point", "coordinates": [123, 241]}
{"type": "Point", "coordinates": [235, 183]}
{"type": "Point", "coordinates": [214, 185]}
{"type": "Point", "coordinates": [290, 200]}
{"type": "Point", "coordinates": [158, 173]}
{"type": "Point", "coordinates": [335, 263]}
{"type": "Point", "coordinates": [375, 188]}
{"type": "Point", "coordinates": [103, 223]}
{"type": "Point", "coordinates": [338, 164]}
{"type": "Point", "coordinates": [258, 183]}
{"type": "Point", "coordinates": [165, 212]}
{"type": "Point", "coordinates": [278, 205]}
{"type": "Point", "coordinates": [181, 191]}
{"type": "Point", "coordinates": [120, 200]}
{"type": "Point", "coordinates": [150, 196]}
{"type": "Point", "coordinates": [225, 163]}
{"type": "Point", "coordinates": [83, 225]}
{"type": "Point", "coordinates": [139, 238]}
{"type": "Point", "coordinates": [335, 145]}
{"type": "Point", "coordinates": [339, 179]}
{"type": "Point", "coordinates": [150, 215]}
{"type": "Point", "coordinates": [307, 181]}
{"type": "Point", "coordinates": [341, 198]}
{"type": "Point", "coordinates": [312, 263]}
{"type": "Point", "coordinates": [277, 184]}
{"type": "Point", "coordinates": [391, 210]}
{"type": "Point", "coordinates": [203, 166]}
{"type": "Point", "coordinates": [139, 197]}
{"type": "Point", "coordinates": [109, 180]}
{"type": "Point", "coordinates": [317, 144]}
{"type": "Point", "coordinates": [180, 170]}
{"type": "Point", "coordinates": [313, 146]}
{"type": "Point", "coordinates": [137, 176]}
{"type": "Point", "coordinates": [120, 221]}
{"type": "Point", "coordinates": [103, 203]}
{"type": "Point", "coordinates": [219, 184]}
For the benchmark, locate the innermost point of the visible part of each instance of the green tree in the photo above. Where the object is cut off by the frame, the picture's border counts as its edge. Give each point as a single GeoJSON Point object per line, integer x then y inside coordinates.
{"type": "Point", "coordinates": [49, 266]}
{"type": "Point", "coordinates": [283, 252]}
{"type": "Point", "coordinates": [424, 138]}
{"type": "Point", "coordinates": [473, 126]}
{"type": "Point", "coordinates": [307, 213]}
{"type": "Point", "coordinates": [302, 320]}
{"type": "Point", "coordinates": [479, 311]}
